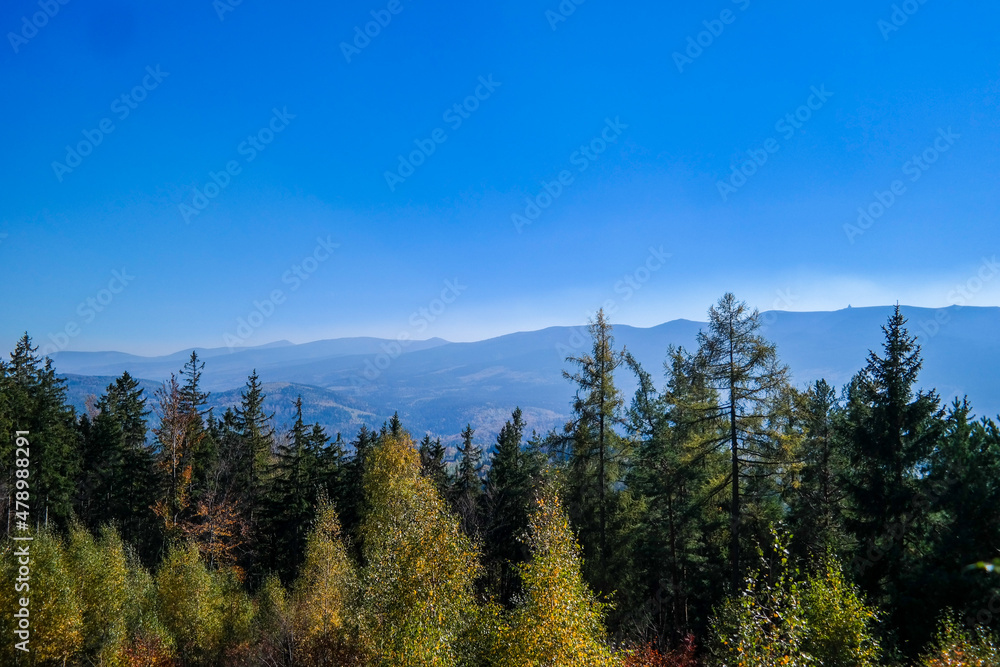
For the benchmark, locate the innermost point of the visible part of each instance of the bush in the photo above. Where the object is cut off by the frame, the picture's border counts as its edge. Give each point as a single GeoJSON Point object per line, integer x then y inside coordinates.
{"type": "Point", "coordinates": [839, 624]}
{"type": "Point", "coordinates": [955, 645]}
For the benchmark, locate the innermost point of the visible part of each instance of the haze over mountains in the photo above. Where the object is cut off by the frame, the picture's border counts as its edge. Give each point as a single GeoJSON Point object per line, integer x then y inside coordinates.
{"type": "Point", "coordinates": [439, 386]}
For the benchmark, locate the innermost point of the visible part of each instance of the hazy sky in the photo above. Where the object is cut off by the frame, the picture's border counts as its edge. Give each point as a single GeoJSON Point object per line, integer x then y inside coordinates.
{"type": "Point", "coordinates": [502, 168]}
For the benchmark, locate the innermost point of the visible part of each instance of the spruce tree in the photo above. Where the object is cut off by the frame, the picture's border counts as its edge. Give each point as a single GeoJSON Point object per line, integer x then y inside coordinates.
{"type": "Point", "coordinates": [817, 506]}
{"type": "Point", "coordinates": [677, 471]}
{"type": "Point", "coordinates": [433, 464]}
{"type": "Point", "coordinates": [892, 430]}
{"type": "Point", "coordinates": [509, 491]}
{"type": "Point", "coordinates": [256, 441]}
{"type": "Point", "coordinates": [119, 472]}
{"type": "Point", "coordinates": [36, 403]}
{"type": "Point", "coordinates": [468, 486]}
{"type": "Point", "coordinates": [293, 496]}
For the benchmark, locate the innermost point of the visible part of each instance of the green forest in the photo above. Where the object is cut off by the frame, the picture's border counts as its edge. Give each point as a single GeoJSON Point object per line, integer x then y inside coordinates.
{"type": "Point", "coordinates": [722, 515]}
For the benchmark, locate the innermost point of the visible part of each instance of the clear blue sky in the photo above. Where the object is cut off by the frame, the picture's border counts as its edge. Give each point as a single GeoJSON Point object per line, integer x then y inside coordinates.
{"type": "Point", "coordinates": [777, 240]}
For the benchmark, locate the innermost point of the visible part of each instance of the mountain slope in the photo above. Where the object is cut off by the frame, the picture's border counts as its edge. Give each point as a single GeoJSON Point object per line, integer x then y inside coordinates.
{"type": "Point", "coordinates": [439, 386]}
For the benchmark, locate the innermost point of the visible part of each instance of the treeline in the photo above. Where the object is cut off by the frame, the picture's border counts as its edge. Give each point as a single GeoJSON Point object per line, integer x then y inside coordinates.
{"type": "Point", "coordinates": [724, 516]}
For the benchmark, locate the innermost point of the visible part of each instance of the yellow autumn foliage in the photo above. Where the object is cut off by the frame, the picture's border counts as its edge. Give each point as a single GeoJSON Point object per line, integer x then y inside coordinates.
{"type": "Point", "coordinates": [322, 615]}
{"type": "Point", "coordinates": [416, 598]}
{"type": "Point", "coordinates": [557, 621]}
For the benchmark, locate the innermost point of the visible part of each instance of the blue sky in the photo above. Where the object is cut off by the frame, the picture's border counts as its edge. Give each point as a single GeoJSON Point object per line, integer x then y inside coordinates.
{"type": "Point", "coordinates": [309, 129]}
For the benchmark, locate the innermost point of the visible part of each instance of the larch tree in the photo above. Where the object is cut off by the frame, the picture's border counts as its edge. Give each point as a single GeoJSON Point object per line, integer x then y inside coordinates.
{"type": "Point", "coordinates": [599, 453]}
{"type": "Point", "coordinates": [742, 367]}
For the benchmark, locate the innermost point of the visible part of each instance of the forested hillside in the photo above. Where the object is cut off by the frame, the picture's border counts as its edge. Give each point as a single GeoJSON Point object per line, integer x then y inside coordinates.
{"type": "Point", "coordinates": [723, 517]}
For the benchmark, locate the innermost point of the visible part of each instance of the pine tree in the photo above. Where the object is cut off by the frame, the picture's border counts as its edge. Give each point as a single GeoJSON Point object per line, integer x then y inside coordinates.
{"type": "Point", "coordinates": [468, 485]}
{"type": "Point", "coordinates": [599, 454]}
{"type": "Point", "coordinates": [743, 368]}
{"type": "Point", "coordinates": [507, 501]}
{"type": "Point", "coordinates": [679, 553]}
{"type": "Point", "coordinates": [817, 506]}
{"type": "Point", "coordinates": [36, 403]}
{"type": "Point", "coordinates": [433, 464]}
{"type": "Point", "coordinates": [293, 495]}
{"type": "Point", "coordinates": [891, 430]}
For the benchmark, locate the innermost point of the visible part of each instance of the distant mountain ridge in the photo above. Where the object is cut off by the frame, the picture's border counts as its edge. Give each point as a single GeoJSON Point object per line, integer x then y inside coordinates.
{"type": "Point", "coordinates": [439, 386]}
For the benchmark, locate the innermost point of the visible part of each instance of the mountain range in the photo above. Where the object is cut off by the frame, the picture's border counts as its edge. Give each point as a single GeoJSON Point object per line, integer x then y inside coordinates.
{"type": "Point", "coordinates": [439, 386]}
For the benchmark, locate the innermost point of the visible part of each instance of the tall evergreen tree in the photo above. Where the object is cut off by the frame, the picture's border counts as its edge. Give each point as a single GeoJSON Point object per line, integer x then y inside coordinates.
{"type": "Point", "coordinates": [35, 401]}
{"type": "Point", "coordinates": [119, 476]}
{"type": "Point", "coordinates": [204, 448]}
{"type": "Point", "coordinates": [433, 464]}
{"type": "Point", "coordinates": [891, 429]}
{"type": "Point", "coordinates": [509, 490]}
{"type": "Point", "coordinates": [816, 508]}
{"type": "Point", "coordinates": [599, 454]}
{"type": "Point", "coordinates": [468, 485]}
{"type": "Point", "coordinates": [256, 437]}
{"type": "Point", "coordinates": [293, 496]}
{"type": "Point", "coordinates": [680, 549]}
{"type": "Point", "coordinates": [742, 367]}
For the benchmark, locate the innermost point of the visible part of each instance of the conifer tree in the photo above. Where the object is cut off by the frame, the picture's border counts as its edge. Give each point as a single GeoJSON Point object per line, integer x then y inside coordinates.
{"type": "Point", "coordinates": [174, 457]}
{"type": "Point", "coordinates": [599, 455]}
{"type": "Point", "coordinates": [293, 496]}
{"type": "Point", "coordinates": [118, 482]}
{"type": "Point", "coordinates": [743, 368]}
{"type": "Point", "coordinates": [256, 437]}
{"type": "Point", "coordinates": [892, 430]}
{"type": "Point", "coordinates": [677, 473]}
{"type": "Point", "coordinates": [817, 505]}
{"type": "Point", "coordinates": [36, 402]}
{"type": "Point", "coordinates": [433, 464]}
{"type": "Point", "coordinates": [507, 500]}
{"type": "Point", "coordinates": [468, 486]}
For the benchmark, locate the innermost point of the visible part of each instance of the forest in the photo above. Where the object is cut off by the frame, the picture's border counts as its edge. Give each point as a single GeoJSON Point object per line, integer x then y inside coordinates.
{"type": "Point", "coordinates": [722, 515]}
